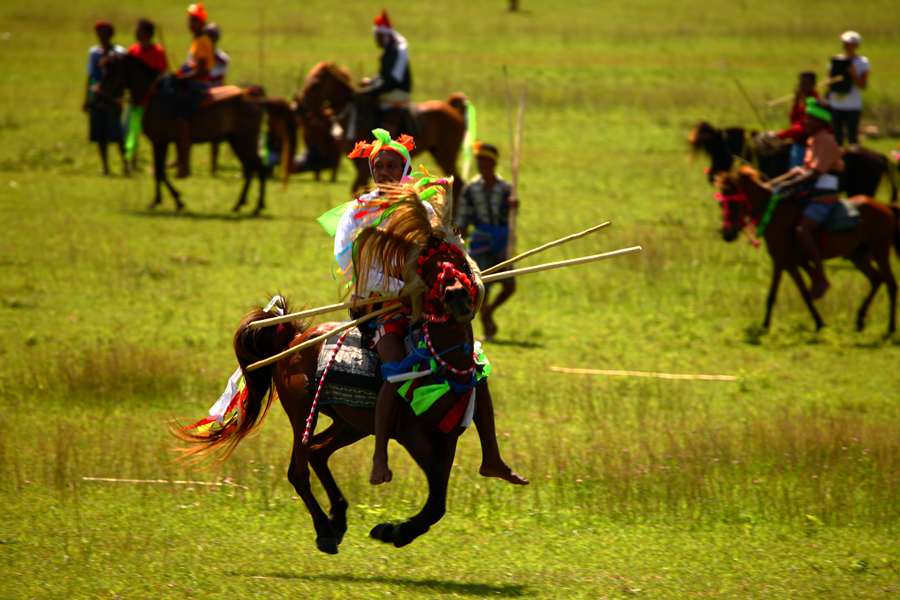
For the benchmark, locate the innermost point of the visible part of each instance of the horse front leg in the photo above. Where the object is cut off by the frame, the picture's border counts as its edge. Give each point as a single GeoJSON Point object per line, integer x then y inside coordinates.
{"type": "Point", "coordinates": [159, 171]}
{"type": "Point", "coordinates": [437, 464]}
{"type": "Point", "coordinates": [777, 270]}
{"type": "Point", "coordinates": [804, 293]}
{"type": "Point", "coordinates": [865, 266]}
{"type": "Point", "coordinates": [298, 475]}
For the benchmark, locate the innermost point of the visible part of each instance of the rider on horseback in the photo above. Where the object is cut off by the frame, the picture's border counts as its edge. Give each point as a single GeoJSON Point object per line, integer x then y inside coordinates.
{"type": "Point", "coordinates": [194, 76]}
{"type": "Point", "coordinates": [389, 161]}
{"type": "Point", "coordinates": [388, 94]}
{"type": "Point", "coordinates": [817, 177]}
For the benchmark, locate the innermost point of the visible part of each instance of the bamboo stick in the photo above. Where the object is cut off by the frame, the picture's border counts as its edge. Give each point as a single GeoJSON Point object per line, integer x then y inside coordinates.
{"type": "Point", "coordinates": [788, 97]}
{"type": "Point", "coordinates": [321, 310]}
{"type": "Point", "coordinates": [321, 338]}
{"type": "Point", "coordinates": [546, 246]}
{"type": "Point", "coordinates": [560, 264]}
{"type": "Point", "coordinates": [617, 373]}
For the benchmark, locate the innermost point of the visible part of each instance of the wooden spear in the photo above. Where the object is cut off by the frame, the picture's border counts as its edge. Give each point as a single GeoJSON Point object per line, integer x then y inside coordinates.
{"type": "Point", "coordinates": [788, 97]}
{"type": "Point", "coordinates": [321, 310]}
{"type": "Point", "coordinates": [546, 246]}
{"type": "Point", "coordinates": [318, 339]}
{"type": "Point", "coordinates": [560, 264]}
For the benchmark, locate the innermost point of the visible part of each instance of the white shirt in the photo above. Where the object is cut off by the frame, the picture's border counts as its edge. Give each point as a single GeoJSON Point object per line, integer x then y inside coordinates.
{"type": "Point", "coordinates": [852, 100]}
{"type": "Point", "coordinates": [352, 222]}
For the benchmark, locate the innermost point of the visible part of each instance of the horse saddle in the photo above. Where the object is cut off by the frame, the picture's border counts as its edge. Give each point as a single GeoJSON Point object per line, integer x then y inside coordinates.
{"type": "Point", "coordinates": [221, 93]}
{"type": "Point", "coordinates": [354, 378]}
{"type": "Point", "coordinates": [844, 216]}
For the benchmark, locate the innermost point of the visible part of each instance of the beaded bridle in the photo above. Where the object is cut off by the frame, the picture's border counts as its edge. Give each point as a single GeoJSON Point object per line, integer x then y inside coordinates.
{"type": "Point", "coordinates": [433, 307]}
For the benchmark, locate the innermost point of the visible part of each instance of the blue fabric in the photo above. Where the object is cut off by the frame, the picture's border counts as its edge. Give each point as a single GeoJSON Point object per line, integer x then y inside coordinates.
{"type": "Point", "coordinates": [795, 159]}
{"type": "Point", "coordinates": [488, 238]}
{"type": "Point", "coordinates": [818, 211]}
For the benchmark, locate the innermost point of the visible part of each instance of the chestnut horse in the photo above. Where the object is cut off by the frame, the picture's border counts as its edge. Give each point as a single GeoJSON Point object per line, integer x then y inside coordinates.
{"type": "Point", "coordinates": [862, 174]}
{"type": "Point", "coordinates": [744, 199]}
{"type": "Point", "coordinates": [237, 119]}
{"type": "Point", "coordinates": [431, 443]}
{"type": "Point", "coordinates": [440, 127]}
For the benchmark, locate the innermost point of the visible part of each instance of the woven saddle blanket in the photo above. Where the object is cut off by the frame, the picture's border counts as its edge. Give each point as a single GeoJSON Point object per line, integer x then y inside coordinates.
{"type": "Point", "coordinates": [355, 377]}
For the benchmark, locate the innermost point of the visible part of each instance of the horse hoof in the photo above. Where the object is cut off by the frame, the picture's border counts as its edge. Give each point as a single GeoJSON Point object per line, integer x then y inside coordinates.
{"type": "Point", "coordinates": [383, 532]}
{"type": "Point", "coordinates": [328, 545]}
{"type": "Point", "coordinates": [402, 537]}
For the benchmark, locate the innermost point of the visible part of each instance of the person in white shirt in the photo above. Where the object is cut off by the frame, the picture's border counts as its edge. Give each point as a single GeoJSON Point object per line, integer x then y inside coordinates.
{"type": "Point", "coordinates": [845, 96]}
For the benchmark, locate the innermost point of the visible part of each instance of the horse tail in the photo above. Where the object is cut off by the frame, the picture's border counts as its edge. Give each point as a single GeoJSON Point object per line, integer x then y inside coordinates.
{"type": "Point", "coordinates": [896, 210]}
{"type": "Point", "coordinates": [282, 120]}
{"type": "Point", "coordinates": [250, 345]}
{"type": "Point", "coordinates": [892, 177]}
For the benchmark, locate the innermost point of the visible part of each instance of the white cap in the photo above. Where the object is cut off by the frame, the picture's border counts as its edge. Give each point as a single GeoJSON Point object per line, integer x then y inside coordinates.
{"type": "Point", "coordinates": [851, 37]}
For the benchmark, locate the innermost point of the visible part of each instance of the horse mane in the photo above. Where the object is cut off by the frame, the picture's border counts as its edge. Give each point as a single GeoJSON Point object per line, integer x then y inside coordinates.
{"type": "Point", "coordinates": [392, 245]}
{"type": "Point", "coordinates": [342, 74]}
{"type": "Point", "coordinates": [701, 132]}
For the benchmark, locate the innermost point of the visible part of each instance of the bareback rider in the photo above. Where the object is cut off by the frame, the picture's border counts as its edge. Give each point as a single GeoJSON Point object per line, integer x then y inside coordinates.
{"type": "Point", "coordinates": [194, 76]}
{"type": "Point", "coordinates": [818, 176]}
{"type": "Point", "coordinates": [388, 94]}
{"type": "Point", "coordinates": [389, 161]}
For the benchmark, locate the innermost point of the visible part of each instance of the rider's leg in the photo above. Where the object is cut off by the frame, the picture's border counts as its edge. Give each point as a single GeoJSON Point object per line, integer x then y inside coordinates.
{"type": "Point", "coordinates": [805, 230]}
{"type": "Point", "coordinates": [492, 465]}
{"type": "Point", "coordinates": [390, 348]}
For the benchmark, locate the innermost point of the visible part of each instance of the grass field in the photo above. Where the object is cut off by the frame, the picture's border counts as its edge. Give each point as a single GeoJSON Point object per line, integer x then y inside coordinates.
{"type": "Point", "coordinates": [113, 320]}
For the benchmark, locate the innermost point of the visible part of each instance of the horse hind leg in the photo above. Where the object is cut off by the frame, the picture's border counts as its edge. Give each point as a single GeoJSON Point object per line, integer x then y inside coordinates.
{"type": "Point", "coordinates": [298, 475]}
{"type": "Point", "coordinates": [322, 446]}
{"type": "Point", "coordinates": [863, 262]}
{"type": "Point", "coordinates": [883, 260]}
{"type": "Point", "coordinates": [245, 150]}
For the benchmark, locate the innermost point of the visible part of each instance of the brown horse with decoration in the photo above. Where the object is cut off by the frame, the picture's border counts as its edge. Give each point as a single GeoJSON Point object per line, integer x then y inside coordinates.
{"type": "Point", "coordinates": [438, 126]}
{"type": "Point", "coordinates": [228, 113]}
{"type": "Point", "coordinates": [746, 201]}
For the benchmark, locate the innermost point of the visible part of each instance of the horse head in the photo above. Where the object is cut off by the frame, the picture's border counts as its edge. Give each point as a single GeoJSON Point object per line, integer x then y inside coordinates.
{"type": "Point", "coordinates": [327, 85]}
{"type": "Point", "coordinates": [741, 195]}
{"type": "Point", "coordinates": [115, 76]}
{"type": "Point", "coordinates": [716, 144]}
{"type": "Point", "coordinates": [452, 285]}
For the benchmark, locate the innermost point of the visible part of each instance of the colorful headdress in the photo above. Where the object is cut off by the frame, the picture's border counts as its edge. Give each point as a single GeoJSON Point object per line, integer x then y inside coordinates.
{"type": "Point", "coordinates": [488, 150]}
{"type": "Point", "coordinates": [403, 145]}
{"type": "Point", "coordinates": [198, 12]}
{"type": "Point", "coordinates": [814, 109]}
{"type": "Point", "coordinates": [383, 23]}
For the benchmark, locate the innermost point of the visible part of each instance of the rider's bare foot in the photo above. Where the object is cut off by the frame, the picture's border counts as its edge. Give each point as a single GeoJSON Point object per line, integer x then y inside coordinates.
{"type": "Point", "coordinates": [380, 473]}
{"type": "Point", "coordinates": [819, 288]}
{"type": "Point", "coordinates": [502, 471]}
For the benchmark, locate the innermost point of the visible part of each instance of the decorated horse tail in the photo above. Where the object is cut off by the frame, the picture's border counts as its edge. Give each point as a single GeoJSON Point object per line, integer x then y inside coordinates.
{"type": "Point", "coordinates": [283, 122]}
{"type": "Point", "coordinates": [248, 395]}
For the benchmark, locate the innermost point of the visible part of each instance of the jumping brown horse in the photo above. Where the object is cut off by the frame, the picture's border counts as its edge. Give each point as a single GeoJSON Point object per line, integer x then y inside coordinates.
{"type": "Point", "coordinates": [440, 127]}
{"type": "Point", "coordinates": [862, 174]}
{"type": "Point", "coordinates": [237, 120]}
{"type": "Point", "coordinates": [441, 268]}
{"type": "Point", "coordinates": [744, 199]}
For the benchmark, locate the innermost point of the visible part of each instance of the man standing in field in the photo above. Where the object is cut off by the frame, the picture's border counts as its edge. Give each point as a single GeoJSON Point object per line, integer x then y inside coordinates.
{"type": "Point", "coordinates": [484, 206]}
{"type": "Point", "coordinates": [845, 96]}
{"type": "Point", "coordinates": [154, 57]}
{"type": "Point", "coordinates": [389, 92]}
{"type": "Point", "coordinates": [104, 114]}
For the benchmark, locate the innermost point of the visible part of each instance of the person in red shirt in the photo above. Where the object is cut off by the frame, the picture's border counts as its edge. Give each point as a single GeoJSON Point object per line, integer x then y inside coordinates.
{"type": "Point", "coordinates": [144, 49]}
{"type": "Point", "coordinates": [154, 56]}
{"type": "Point", "coordinates": [796, 133]}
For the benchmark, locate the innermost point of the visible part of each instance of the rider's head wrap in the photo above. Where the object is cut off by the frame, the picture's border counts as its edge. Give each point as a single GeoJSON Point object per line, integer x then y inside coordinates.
{"type": "Point", "coordinates": [198, 11]}
{"type": "Point", "coordinates": [382, 24]}
{"type": "Point", "coordinates": [486, 150]}
{"type": "Point", "coordinates": [103, 26]}
{"type": "Point", "coordinates": [814, 109]}
{"type": "Point", "coordinates": [403, 145]}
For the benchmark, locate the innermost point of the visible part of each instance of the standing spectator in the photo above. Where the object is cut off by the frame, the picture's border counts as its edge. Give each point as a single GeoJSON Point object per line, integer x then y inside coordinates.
{"type": "Point", "coordinates": [154, 57]}
{"type": "Point", "coordinates": [845, 96]}
{"type": "Point", "coordinates": [105, 114]}
{"type": "Point", "coordinates": [484, 206]}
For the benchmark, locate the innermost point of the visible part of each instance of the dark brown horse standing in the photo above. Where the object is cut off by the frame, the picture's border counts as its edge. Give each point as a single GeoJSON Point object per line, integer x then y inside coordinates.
{"type": "Point", "coordinates": [237, 120]}
{"type": "Point", "coordinates": [862, 174]}
{"type": "Point", "coordinates": [744, 200]}
{"type": "Point", "coordinates": [440, 127]}
{"type": "Point", "coordinates": [294, 378]}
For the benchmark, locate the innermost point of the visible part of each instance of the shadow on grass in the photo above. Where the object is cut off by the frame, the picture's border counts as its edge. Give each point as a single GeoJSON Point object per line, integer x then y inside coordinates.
{"type": "Point", "coordinates": [514, 343]}
{"type": "Point", "coordinates": [428, 584]}
{"type": "Point", "coordinates": [187, 214]}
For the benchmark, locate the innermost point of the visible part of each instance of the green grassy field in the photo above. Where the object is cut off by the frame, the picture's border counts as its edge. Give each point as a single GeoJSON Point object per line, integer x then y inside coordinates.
{"type": "Point", "coordinates": [113, 320]}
